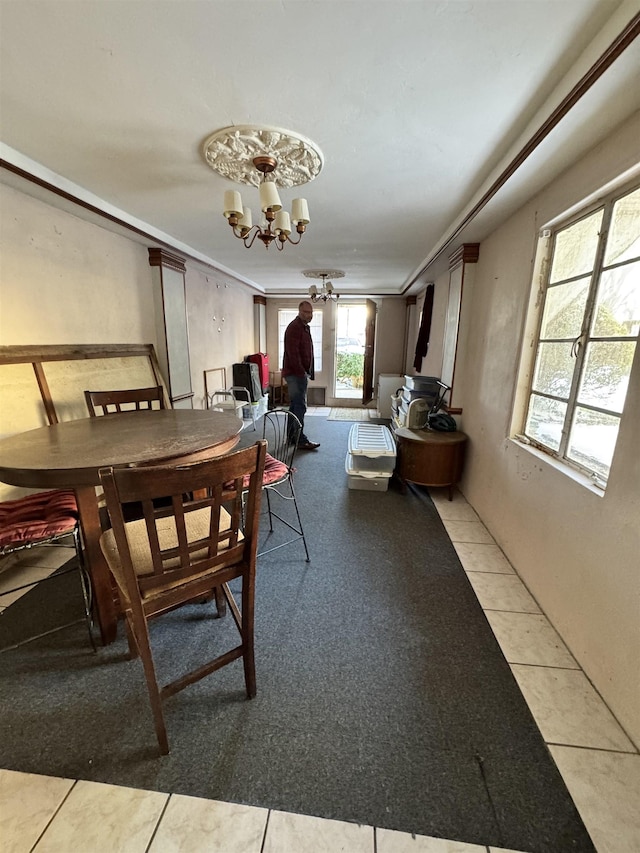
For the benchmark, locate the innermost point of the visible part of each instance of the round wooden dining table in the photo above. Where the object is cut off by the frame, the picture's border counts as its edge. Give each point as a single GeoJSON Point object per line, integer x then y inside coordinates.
{"type": "Point", "coordinates": [69, 455]}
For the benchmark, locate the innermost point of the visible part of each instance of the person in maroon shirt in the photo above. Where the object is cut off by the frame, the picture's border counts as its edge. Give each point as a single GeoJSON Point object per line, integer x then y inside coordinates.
{"type": "Point", "coordinates": [297, 367]}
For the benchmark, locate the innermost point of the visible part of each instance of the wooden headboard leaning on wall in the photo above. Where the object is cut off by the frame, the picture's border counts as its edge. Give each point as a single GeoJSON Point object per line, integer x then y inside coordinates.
{"type": "Point", "coordinates": [45, 384]}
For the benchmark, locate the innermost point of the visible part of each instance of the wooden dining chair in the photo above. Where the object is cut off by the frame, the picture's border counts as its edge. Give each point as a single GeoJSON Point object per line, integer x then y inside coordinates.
{"type": "Point", "coordinates": [113, 402]}
{"type": "Point", "coordinates": [178, 554]}
{"type": "Point", "coordinates": [125, 400]}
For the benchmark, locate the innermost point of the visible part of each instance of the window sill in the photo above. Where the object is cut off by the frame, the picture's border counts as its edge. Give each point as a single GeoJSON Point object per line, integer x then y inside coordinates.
{"type": "Point", "coordinates": [577, 476]}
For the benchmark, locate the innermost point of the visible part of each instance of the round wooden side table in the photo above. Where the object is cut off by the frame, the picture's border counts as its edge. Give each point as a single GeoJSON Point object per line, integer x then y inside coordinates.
{"type": "Point", "coordinates": [429, 458]}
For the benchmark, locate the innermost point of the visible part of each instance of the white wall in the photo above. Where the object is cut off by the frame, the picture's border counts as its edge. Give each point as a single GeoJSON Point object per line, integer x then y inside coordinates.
{"type": "Point", "coordinates": [577, 551]}
{"type": "Point", "coordinates": [222, 341]}
{"type": "Point", "coordinates": [390, 335]}
{"type": "Point", "coordinates": [63, 280]}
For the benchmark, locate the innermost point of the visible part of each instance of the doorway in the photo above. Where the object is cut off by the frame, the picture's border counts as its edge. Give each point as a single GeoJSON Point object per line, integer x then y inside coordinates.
{"type": "Point", "coordinates": [351, 320]}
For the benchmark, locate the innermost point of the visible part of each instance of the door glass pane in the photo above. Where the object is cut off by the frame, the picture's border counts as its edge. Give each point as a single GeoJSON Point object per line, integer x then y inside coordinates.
{"type": "Point", "coordinates": [623, 242]}
{"type": "Point", "coordinates": [351, 320]}
{"type": "Point", "coordinates": [575, 248]}
{"type": "Point", "coordinates": [564, 309]}
{"type": "Point", "coordinates": [544, 421]}
{"type": "Point", "coordinates": [593, 440]}
{"type": "Point", "coordinates": [618, 302]}
{"type": "Point", "coordinates": [315, 327]}
{"type": "Point", "coordinates": [554, 369]}
{"type": "Point", "coordinates": [606, 374]}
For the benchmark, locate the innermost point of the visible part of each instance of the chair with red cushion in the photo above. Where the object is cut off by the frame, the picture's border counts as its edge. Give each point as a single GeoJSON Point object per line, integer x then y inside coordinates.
{"type": "Point", "coordinates": [45, 518]}
{"type": "Point", "coordinates": [282, 429]}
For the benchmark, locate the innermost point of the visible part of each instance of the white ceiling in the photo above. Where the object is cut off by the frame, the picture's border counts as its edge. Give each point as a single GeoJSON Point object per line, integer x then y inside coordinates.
{"type": "Point", "coordinates": [417, 106]}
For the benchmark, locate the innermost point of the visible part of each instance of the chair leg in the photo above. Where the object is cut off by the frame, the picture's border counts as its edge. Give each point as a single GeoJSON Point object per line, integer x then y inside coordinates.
{"type": "Point", "coordinates": [85, 580]}
{"type": "Point", "coordinates": [221, 601]}
{"type": "Point", "coordinates": [295, 504]}
{"type": "Point", "coordinates": [299, 530]}
{"type": "Point", "coordinates": [134, 651]}
{"type": "Point", "coordinates": [140, 631]}
{"type": "Point", "coordinates": [248, 655]}
{"type": "Point", "coordinates": [266, 492]}
{"type": "Point", "coordinates": [237, 616]}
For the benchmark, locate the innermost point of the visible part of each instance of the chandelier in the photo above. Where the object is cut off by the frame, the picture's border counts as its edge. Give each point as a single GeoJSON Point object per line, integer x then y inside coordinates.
{"type": "Point", "coordinates": [267, 158]}
{"type": "Point", "coordinates": [326, 292]}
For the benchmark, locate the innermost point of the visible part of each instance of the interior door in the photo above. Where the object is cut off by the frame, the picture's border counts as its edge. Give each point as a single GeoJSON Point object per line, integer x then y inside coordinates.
{"type": "Point", "coordinates": [369, 345]}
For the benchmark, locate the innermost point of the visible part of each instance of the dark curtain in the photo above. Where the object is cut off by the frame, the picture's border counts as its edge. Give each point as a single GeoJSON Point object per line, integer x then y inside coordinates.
{"type": "Point", "coordinates": [422, 344]}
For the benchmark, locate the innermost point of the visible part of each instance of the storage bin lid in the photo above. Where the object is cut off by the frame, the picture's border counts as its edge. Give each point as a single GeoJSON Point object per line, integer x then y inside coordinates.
{"type": "Point", "coordinates": [422, 383]}
{"type": "Point", "coordinates": [371, 440]}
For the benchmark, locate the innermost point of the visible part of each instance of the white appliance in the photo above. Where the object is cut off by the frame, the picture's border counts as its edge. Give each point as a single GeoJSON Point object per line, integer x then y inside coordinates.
{"type": "Point", "coordinates": [388, 384]}
{"type": "Point", "coordinates": [413, 414]}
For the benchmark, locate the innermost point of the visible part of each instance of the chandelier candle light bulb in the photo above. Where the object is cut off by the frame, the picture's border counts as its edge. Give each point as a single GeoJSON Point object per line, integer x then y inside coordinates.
{"type": "Point", "coordinates": [269, 198]}
{"type": "Point", "coordinates": [300, 211]}
{"type": "Point", "coordinates": [232, 203]}
{"type": "Point", "coordinates": [282, 223]}
{"type": "Point", "coordinates": [245, 223]}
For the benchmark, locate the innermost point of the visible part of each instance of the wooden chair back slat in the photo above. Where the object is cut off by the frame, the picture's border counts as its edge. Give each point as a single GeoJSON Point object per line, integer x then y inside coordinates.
{"type": "Point", "coordinates": [221, 479]}
{"type": "Point", "coordinates": [124, 400]}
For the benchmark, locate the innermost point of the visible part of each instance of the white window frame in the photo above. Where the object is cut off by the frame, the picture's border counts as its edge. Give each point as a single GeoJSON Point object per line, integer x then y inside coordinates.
{"type": "Point", "coordinates": [285, 316]}
{"type": "Point", "coordinates": [580, 344]}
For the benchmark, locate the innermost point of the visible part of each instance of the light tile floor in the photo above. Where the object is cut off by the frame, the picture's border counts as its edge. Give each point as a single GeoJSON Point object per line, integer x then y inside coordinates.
{"type": "Point", "coordinates": [598, 762]}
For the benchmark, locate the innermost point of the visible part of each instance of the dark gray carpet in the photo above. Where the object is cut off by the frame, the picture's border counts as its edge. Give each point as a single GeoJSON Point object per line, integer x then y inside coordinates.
{"type": "Point", "coordinates": [383, 697]}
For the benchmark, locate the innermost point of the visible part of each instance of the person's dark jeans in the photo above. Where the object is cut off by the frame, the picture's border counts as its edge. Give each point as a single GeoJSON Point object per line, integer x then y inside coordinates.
{"type": "Point", "coordinates": [297, 386]}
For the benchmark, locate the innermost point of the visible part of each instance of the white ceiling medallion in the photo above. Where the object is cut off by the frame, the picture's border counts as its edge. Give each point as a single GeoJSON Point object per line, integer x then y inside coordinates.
{"type": "Point", "coordinates": [323, 274]}
{"type": "Point", "coordinates": [232, 150]}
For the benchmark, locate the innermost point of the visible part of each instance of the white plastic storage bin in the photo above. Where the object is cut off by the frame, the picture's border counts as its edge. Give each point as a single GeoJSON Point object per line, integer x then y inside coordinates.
{"type": "Point", "coordinates": [254, 411]}
{"type": "Point", "coordinates": [373, 481]}
{"type": "Point", "coordinates": [367, 466]}
{"type": "Point", "coordinates": [371, 457]}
